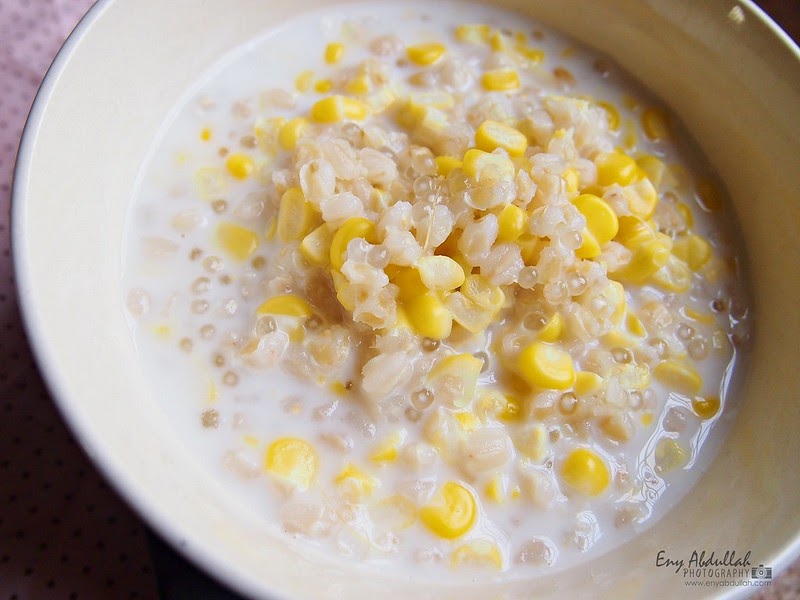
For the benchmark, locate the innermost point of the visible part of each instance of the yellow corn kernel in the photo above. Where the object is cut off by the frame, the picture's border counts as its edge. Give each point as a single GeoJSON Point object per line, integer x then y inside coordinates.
{"type": "Point", "coordinates": [571, 180]}
{"type": "Point", "coordinates": [629, 136]}
{"type": "Point", "coordinates": [240, 165]}
{"type": "Point", "coordinates": [295, 215]}
{"type": "Point", "coordinates": [477, 553]}
{"type": "Point", "coordinates": [480, 290]}
{"type": "Point", "coordinates": [293, 460]}
{"type": "Point", "coordinates": [693, 249]}
{"type": "Point", "coordinates": [587, 383]}
{"type": "Point", "coordinates": [647, 419]}
{"type": "Point", "coordinates": [552, 329]}
{"type": "Point", "coordinates": [655, 123]}
{"type": "Point", "coordinates": [291, 131]}
{"type": "Point", "coordinates": [615, 167]}
{"type": "Point", "coordinates": [633, 231]}
{"type": "Point", "coordinates": [474, 34]}
{"type": "Point", "coordinates": [440, 272]}
{"type": "Point", "coordinates": [546, 366]}
{"type": "Point", "coordinates": [408, 280]}
{"type": "Point", "coordinates": [601, 223]}
{"type": "Point", "coordinates": [205, 134]}
{"type": "Point", "coordinates": [343, 290]}
{"type": "Point", "coordinates": [586, 472]}
{"type": "Point", "coordinates": [323, 86]}
{"type": "Point", "coordinates": [654, 168]}
{"type": "Point", "coordinates": [700, 317]}
{"type": "Point", "coordinates": [686, 213]}
{"type": "Point", "coordinates": [496, 488]}
{"type": "Point", "coordinates": [497, 41]}
{"type": "Point", "coordinates": [641, 196]}
{"type": "Point", "coordinates": [674, 276]}
{"type": "Point", "coordinates": [425, 54]}
{"type": "Point", "coordinates": [635, 325]}
{"type": "Point", "coordinates": [316, 246]}
{"type": "Point", "coordinates": [236, 240]}
{"type": "Point", "coordinates": [669, 455]}
{"type": "Point", "coordinates": [458, 372]}
{"type": "Point", "coordinates": [387, 450]}
{"type": "Point", "coordinates": [647, 258]}
{"type": "Point", "coordinates": [429, 317]}
{"type": "Point", "coordinates": [469, 315]}
{"type": "Point", "coordinates": [358, 85]}
{"type": "Point", "coordinates": [452, 511]}
{"type": "Point", "coordinates": [493, 134]}
{"type": "Point", "coordinates": [354, 227]}
{"type": "Point", "coordinates": [337, 108]}
{"type": "Point", "coordinates": [500, 80]}
{"type": "Point", "coordinates": [338, 388]}
{"type": "Point", "coordinates": [479, 165]}
{"type": "Point", "coordinates": [511, 221]}
{"type": "Point", "coordinates": [705, 408]}
{"type": "Point", "coordinates": [612, 113]}
{"type": "Point", "coordinates": [534, 442]}
{"type": "Point", "coordinates": [288, 305]}
{"type": "Point", "coordinates": [512, 411]}
{"type": "Point", "coordinates": [362, 483]}
{"type": "Point", "coordinates": [334, 52]}
{"type": "Point", "coordinates": [467, 421]}
{"type": "Point", "coordinates": [533, 55]}
{"type": "Point", "coordinates": [446, 164]}
{"type": "Point", "coordinates": [679, 377]}
{"type": "Point", "coordinates": [303, 81]}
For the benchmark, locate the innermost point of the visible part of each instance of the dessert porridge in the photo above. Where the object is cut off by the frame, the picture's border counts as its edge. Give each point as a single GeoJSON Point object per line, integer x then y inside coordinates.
{"type": "Point", "coordinates": [441, 290]}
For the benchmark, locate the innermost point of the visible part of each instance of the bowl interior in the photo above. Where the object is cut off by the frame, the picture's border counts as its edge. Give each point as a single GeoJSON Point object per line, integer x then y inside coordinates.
{"type": "Point", "coordinates": [730, 77]}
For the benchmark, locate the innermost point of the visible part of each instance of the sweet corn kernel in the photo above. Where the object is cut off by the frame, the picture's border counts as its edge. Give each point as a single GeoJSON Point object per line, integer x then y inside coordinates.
{"type": "Point", "coordinates": [478, 553]}
{"type": "Point", "coordinates": [500, 80]}
{"type": "Point", "coordinates": [287, 305]}
{"type": "Point", "coordinates": [587, 383]}
{"type": "Point", "coordinates": [236, 240]}
{"type": "Point", "coordinates": [323, 86]}
{"type": "Point", "coordinates": [362, 483]}
{"type": "Point", "coordinates": [674, 276]}
{"type": "Point", "coordinates": [452, 511]}
{"type": "Point", "coordinates": [511, 221]}
{"type": "Point", "coordinates": [408, 280]}
{"type": "Point", "coordinates": [440, 272]}
{"type": "Point", "coordinates": [316, 246]}
{"type": "Point", "coordinates": [342, 287]}
{"type": "Point", "coordinates": [334, 52]}
{"type": "Point", "coordinates": [633, 231]}
{"type": "Point", "coordinates": [615, 167]}
{"type": "Point", "coordinates": [647, 419]}
{"type": "Point", "coordinates": [654, 168]}
{"type": "Point", "coordinates": [429, 317]}
{"type": "Point", "coordinates": [296, 216]}
{"type": "Point", "coordinates": [655, 124]}
{"type": "Point", "coordinates": [512, 410]}
{"type": "Point", "coordinates": [293, 460]}
{"type": "Point", "coordinates": [551, 330]}
{"type": "Point", "coordinates": [693, 249]}
{"type": "Point", "coordinates": [425, 54]}
{"type": "Point", "coordinates": [612, 114]}
{"type": "Point", "coordinates": [358, 85]}
{"type": "Point", "coordinates": [467, 421]}
{"type": "Point", "coordinates": [417, 115]}
{"type": "Point", "coordinates": [446, 164]}
{"type": "Point", "coordinates": [634, 325]}
{"type": "Point", "coordinates": [571, 180]}
{"type": "Point", "coordinates": [240, 165]}
{"type": "Point", "coordinates": [480, 290]}
{"type": "Point", "coordinates": [532, 55]}
{"type": "Point", "coordinates": [459, 372]}
{"type": "Point", "coordinates": [474, 34]}
{"type": "Point", "coordinates": [337, 108]}
{"type": "Point", "coordinates": [479, 165]}
{"type": "Point", "coordinates": [303, 81]}
{"type": "Point", "coordinates": [647, 258]}
{"type": "Point", "coordinates": [686, 213]}
{"type": "Point", "coordinates": [669, 455]}
{"type": "Point", "coordinates": [601, 223]}
{"type": "Point", "coordinates": [387, 450]}
{"type": "Point", "coordinates": [534, 442]}
{"type": "Point", "coordinates": [354, 227]}
{"type": "Point", "coordinates": [205, 134]}
{"type": "Point", "coordinates": [497, 41]}
{"type": "Point", "coordinates": [291, 131]}
{"type": "Point", "coordinates": [678, 376]}
{"type": "Point", "coordinates": [493, 134]}
{"type": "Point", "coordinates": [705, 408]}
{"type": "Point", "coordinates": [543, 365]}
{"type": "Point", "coordinates": [586, 472]}
{"type": "Point", "coordinates": [468, 314]}
{"type": "Point", "coordinates": [496, 488]}
{"type": "Point", "coordinates": [641, 196]}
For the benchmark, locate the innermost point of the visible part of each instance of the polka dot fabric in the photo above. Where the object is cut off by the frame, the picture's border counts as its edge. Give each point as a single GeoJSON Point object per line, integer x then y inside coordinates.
{"type": "Point", "coordinates": [63, 533]}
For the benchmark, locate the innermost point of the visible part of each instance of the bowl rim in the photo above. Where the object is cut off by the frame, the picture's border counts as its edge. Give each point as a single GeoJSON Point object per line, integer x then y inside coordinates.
{"type": "Point", "coordinates": [113, 472]}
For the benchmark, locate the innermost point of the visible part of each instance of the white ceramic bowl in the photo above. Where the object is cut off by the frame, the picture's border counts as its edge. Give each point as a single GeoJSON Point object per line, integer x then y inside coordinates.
{"type": "Point", "coordinates": [731, 75]}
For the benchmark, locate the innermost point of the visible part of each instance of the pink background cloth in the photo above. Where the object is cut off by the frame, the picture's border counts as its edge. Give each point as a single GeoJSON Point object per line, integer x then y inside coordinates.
{"type": "Point", "coordinates": [63, 532]}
